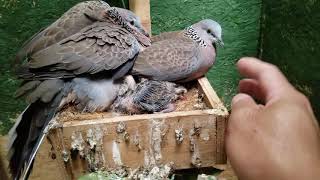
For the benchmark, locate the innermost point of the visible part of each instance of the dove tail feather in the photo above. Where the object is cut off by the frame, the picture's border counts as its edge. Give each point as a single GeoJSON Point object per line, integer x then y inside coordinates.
{"type": "Point", "coordinates": [28, 134]}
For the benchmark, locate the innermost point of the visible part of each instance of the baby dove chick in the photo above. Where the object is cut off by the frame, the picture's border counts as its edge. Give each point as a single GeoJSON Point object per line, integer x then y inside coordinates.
{"type": "Point", "coordinates": [148, 97]}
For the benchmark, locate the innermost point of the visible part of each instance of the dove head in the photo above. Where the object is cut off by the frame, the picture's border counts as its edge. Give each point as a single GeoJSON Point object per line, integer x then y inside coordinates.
{"type": "Point", "coordinates": [210, 31]}
{"type": "Point", "coordinates": [96, 10]}
{"type": "Point", "coordinates": [124, 104]}
{"type": "Point", "coordinates": [130, 22]}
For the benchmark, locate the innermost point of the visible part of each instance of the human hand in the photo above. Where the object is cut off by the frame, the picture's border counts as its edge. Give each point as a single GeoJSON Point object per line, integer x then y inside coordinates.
{"type": "Point", "coordinates": [277, 140]}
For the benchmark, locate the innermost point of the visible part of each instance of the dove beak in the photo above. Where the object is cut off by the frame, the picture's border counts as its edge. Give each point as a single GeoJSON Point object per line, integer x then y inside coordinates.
{"type": "Point", "coordinates": [141, 34]}
{"type": "Point", "coordinates": [220, 42]}
{"type": "Point", "coordinates": [142, 38]}
{"type": "Point", "coordinates": [144, 32]}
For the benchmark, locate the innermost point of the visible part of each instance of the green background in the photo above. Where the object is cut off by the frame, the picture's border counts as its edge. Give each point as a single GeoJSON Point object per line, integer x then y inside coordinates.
{"type": "Point", "coordinates": [288, 37]}
{"type": "Point", "coordinates": [291, 40]}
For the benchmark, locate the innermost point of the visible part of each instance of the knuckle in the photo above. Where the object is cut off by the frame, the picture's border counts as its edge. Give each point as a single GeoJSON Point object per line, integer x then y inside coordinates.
{"type": "Point", "coordinates": [303, 99]}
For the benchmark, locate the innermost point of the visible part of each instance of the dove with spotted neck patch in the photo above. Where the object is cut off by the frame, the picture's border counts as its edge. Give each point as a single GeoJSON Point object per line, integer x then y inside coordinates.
{"type": "Point", "coordinates": [181, 56]}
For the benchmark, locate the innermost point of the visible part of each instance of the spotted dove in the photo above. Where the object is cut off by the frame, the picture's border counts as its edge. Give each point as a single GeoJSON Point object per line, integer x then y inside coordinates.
{"type": "Point", "coordinates": [81, 68]}
{"type": "Point", "coordinates": [79, 16]}
{"type": "Point", "coordinates": [180, 56]}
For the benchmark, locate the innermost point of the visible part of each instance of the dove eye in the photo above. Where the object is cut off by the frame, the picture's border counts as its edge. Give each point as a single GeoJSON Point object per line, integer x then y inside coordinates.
{"type": "Point", "coordinates": [209, 31]}
{"type": "Point", "coordinates": [132, 22]}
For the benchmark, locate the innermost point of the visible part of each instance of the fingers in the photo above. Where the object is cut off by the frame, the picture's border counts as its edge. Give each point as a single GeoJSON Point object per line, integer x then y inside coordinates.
{"type": "Point", "coordinates": [242, 100]}
{"type": "Point", "coordinates": [271, 82]}
{"type": "Point", "coordinates": [242, 113]}
{"type": "Point", "coordinates": [251, 87]}
{"type": "Point", "coordinates": [243, 110]}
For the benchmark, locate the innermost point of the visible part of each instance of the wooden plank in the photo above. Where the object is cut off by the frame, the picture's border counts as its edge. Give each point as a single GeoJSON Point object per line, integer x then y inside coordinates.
{"type": "Point", "coordinates": [141, 116]}
{"type": "Point", "coordinates": [4, 173]}
{"type": "Point", "coordinates": [142, 9]}
{"type": "Point", "coordinates": [221, 156]}
{"type": "Point", "coordinates": [157, 142]}
{"type": "Point", "coordinates": [214, 102]}
{"type": "Point", "coordinates": [211, 96]}
{"type": "Point", "coordinates": [44, 166]}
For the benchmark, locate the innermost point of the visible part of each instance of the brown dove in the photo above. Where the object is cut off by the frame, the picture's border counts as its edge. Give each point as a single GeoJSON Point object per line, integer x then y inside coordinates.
{"type": "Point", "coordinates": [149, 96]}
{"type": "Point", "coordinates": [76, 18]}
{"type": "Point", "coordinates": [180, 56]}
{"type": "Point", "coordinates": [84, 68]}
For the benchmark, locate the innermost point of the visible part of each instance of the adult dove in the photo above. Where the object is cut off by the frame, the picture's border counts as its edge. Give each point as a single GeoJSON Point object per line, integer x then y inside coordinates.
{"type": "Point", "coordinates": [76, 18]}
{"type": "Point", "coordinates": [180, 56]}
{"type": "Point", "coordinates": [84, 68]}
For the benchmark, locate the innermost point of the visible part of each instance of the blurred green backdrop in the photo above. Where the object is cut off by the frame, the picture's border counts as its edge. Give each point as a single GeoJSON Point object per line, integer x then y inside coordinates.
{"type": "Point", "coordinates": [289, 38]}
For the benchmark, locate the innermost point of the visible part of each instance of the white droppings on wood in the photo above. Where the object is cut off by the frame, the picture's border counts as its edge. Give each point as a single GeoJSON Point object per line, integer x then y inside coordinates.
{"type": "Point", "coordinates": [195, 158]}
{"type": "Point", "coordinates": [136, 140]}
{"type": "Point", "coordinates": [121, 130]}
{"type": "Point", "coordinates": [121, 127]}
{"type": "Point", "coordinates": [65, 156]}
{"type": "Point", "coordinates": [179, 135]}
{"type": "Point", "coordinates": [116, 154]}
{"type": "Point", "coordinates": [53, 124]}
{"type": "Point", "coordinates": [94, 153]}
{"type": "Point", "coordinates": [205, 134]}
{"type": "Point", "coordinates": [149, 160]}
{"type": "Point", "coordinates": [207, 177]}
{"type": "Point", "coordinates": [120, 172]}
{"type": "Point", "coordinates": [90, 138]}
{"type": "Point", "coordinates": [160, 172]}
{"type": "Point", "coordinates": [94, 137]}
{"type": "Point", "coordinates": [126, 136]}
{"type": "Point", "coordinates": [155, 139]}
{"type": "Point", "coordinates": [195, 155]}
{"type": "Point", "coordinates": [78, 143]}
{"type": "Point", "coordinates": [196, 128]}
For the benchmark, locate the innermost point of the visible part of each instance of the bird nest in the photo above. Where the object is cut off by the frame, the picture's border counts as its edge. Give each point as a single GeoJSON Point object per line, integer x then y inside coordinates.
{"type": "Point", "coordinates": [192, 100]}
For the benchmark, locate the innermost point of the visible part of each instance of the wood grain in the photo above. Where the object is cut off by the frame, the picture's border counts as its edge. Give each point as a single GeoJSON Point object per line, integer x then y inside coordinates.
{"type": "Point", "coordinates": [44, 166]}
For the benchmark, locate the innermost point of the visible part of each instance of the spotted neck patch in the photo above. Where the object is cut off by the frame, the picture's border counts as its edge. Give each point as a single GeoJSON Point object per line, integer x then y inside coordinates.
{"type": "Point", "coordinates": [192, 33]}
{"type": "Point", "coordinates": [118, 19]}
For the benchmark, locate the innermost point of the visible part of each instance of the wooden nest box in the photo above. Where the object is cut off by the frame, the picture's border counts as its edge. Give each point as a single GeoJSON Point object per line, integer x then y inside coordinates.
{"type": "Point", "coordinates": [187, 137]}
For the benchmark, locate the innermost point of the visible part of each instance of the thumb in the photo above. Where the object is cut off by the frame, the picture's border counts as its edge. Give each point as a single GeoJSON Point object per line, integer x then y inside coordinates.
{"type": "Point", "coordinates": [242, 112]}
{"type": "Point", "coordinates": [242, 100]}
{"type": "Point", "coordinates": [242, 109]}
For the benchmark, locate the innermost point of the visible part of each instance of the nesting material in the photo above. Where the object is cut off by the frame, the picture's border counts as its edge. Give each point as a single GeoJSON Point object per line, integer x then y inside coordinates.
{"type": "Point", "coordinates": [192, 100]}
